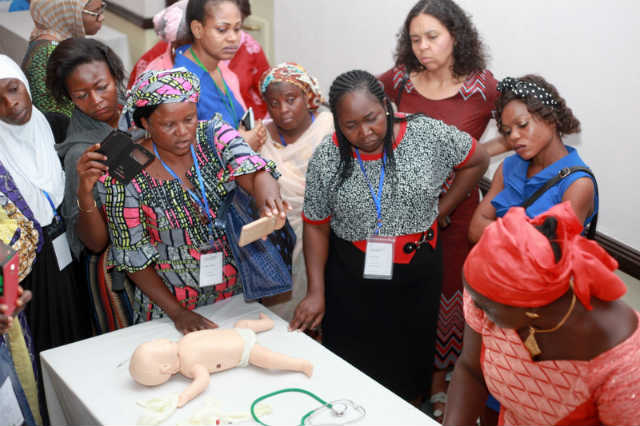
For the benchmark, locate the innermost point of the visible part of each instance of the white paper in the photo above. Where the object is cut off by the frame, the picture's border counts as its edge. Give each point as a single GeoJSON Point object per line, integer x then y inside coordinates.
{"type": "Point", "coordinates": [63, 252]}
{"type": "Point", "coordinates": [210, 269]}
{"type": "Point", "coordinates": [378, 260]}
{"type": "Point", "coordinates": [10, 412]}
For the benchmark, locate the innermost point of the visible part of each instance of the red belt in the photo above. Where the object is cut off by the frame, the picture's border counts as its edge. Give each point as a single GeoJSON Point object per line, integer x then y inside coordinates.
{"type": "Point", "coordinates": [406, 245]}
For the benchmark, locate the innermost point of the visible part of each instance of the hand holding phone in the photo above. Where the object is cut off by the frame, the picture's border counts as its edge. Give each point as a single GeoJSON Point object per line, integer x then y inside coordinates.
{"type": "Point", "coordinates": [125, 159]}
{"type": "Point", "coordinates": [8, 277]}
{"type": "Point", "coordinates": [248, 119]}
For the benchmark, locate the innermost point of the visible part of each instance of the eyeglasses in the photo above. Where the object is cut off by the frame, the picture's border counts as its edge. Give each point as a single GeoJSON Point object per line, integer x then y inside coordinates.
{"type": "Point", "coordinates": [97, 13]}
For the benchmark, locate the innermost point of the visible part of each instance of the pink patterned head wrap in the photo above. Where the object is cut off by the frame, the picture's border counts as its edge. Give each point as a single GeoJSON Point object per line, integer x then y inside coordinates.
{"type": "Point", "coordinates": [513, 263]}
{"type": "Point", "coordinates": [60, 19]}
{"type": "Point", "coordinates": [290, 72]}
{"type": "Point", "coordinates": [170, 23]}
{"type": "Point", "coordinates": [162, 87]}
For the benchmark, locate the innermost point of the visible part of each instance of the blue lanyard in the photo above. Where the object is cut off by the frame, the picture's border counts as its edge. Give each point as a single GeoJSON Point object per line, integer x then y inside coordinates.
{"type": "Point", "coordinates": [313, 118]}
{"type": "Point", "coordinates": [377, 200]}
{"type": "Point", "coordinates": [204, 200]}
{"type": "Point", "coordinates": [53, 207]}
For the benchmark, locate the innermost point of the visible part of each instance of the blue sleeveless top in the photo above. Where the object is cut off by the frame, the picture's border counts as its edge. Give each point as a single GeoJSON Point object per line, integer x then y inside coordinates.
{"type": "Point", "coordinates": [211, 100]}
{"type": "Point", "coordinates": [518, 188]}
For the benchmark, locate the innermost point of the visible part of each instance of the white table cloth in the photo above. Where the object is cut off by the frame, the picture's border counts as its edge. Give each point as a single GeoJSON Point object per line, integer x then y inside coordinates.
{"type": "Point", "coordinates": [88, 382]}
{"type": "Point", "coordinates": [15, 28]}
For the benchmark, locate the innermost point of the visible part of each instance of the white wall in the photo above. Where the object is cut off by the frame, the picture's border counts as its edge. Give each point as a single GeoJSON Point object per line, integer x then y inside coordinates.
{"type": "Point", "coordinates": [587, 48]}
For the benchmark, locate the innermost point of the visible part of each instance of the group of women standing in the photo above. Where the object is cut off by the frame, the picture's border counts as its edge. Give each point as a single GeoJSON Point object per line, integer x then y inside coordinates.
{"type": "Point", "coordinates": [380, 189]}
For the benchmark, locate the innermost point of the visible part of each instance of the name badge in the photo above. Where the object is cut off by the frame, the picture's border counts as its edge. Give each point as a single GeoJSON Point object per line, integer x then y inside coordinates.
{"type": "Point", "coordinates": [378, 259]}
{"type": "Point", "coordinates": [210, 269]}
{"type": "Point", "coordinates": [62, 250]}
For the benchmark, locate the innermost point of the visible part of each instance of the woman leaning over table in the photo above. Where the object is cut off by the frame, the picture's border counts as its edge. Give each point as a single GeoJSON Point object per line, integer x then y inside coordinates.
{"type": "Point", "coordinates": [55, 21]}
{"type": "Point", "coordinates": [378, 178]}
{"type": "Point", "coordinates": [546, 332]}
{"type": "Point", "coordinates": [298, 125]}
{"type": "Point", "coordinates": [161, 223]}
{"type": "Point", "coordinates": [440, 71]}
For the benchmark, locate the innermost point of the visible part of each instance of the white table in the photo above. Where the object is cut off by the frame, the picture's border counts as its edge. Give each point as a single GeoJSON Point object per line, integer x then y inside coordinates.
{"type": "Point", "coordinates": [88, 382]}
{"type": "Point", "coordinates": [15, 28]}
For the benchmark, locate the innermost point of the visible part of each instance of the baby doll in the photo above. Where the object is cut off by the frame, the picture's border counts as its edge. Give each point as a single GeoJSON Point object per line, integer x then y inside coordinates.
{"type": "Point", "coordinates": [200, 353]}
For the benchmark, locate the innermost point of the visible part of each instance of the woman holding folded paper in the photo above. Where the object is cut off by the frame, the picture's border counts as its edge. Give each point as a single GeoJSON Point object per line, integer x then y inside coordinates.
{"type": "Point", "coordinates": [162, 223]}
{"type": "Point", "coordinates": [371, 213]}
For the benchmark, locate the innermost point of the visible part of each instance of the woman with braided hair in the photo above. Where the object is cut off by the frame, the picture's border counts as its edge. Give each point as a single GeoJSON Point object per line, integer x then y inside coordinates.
{"type": "Point", "coordinates": [546, 332]}
{"type": "Point", "coordinates": [370, 237]}
{"type": "Point", "coordinates": [533, 118]}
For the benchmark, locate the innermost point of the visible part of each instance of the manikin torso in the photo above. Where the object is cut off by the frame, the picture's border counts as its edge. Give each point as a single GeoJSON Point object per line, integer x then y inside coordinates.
{"type": "Point", "coordinates": [217, 350]}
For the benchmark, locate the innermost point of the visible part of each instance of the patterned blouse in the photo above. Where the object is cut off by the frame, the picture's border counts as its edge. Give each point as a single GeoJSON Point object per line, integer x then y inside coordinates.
{"type": "Point", "coordinates": [34, 66]}
{"type": "Point", "coordinates": [425, 151]}
{"type": "Point", "coordinates": [156, 222]}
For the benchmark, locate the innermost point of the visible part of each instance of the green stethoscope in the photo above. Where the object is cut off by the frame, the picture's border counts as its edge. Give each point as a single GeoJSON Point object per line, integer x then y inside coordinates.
{"type": "Point", "coordinates": [337, 408]}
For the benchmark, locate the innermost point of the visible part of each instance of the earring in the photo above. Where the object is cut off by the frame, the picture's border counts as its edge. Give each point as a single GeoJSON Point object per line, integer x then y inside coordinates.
{"type": "Point", "coordinates": [532, 315]}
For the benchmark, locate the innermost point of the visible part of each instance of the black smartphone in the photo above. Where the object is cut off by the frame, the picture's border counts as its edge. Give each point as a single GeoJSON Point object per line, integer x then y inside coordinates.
{"type": "Point", "coordinates": [248, 120]}
{"type": "Point", "coordinates": [125, 159]}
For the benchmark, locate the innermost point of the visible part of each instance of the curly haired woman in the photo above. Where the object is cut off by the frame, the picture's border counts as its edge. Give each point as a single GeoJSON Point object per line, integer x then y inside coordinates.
{"type": "Point", "coordinates": [440, 71]}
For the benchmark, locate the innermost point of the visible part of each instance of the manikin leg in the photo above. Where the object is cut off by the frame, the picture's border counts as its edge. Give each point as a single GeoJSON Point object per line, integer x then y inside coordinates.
{"type": "Point", "coordinates": [266, 358]}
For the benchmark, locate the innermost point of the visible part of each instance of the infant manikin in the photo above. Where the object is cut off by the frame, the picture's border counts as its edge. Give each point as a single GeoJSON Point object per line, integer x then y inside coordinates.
{"type": "Point", "coordinates": [200, 353]}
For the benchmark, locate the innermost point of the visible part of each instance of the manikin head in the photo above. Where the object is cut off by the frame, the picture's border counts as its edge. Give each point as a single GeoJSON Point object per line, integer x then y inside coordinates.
{"type": "Point", "coordinates": [154, 362]}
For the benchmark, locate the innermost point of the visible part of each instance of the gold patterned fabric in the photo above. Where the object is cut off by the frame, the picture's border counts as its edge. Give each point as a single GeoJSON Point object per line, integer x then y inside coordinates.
{"type": "Point", "coordinates": [12, 221]}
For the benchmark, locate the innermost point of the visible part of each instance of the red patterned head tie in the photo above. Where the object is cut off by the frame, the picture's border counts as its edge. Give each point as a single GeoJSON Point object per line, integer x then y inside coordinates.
{"type": "Point", "coordinates": [513, 263]}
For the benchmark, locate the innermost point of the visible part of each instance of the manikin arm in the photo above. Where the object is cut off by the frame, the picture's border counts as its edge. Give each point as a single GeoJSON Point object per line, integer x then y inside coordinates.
{"type": "Point", "coordinates": [263, 324]}
{"type": "Point", "coordinates": [201, 379]}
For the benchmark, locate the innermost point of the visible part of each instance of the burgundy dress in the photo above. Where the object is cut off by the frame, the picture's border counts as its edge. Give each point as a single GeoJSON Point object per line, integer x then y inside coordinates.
{"type": "Point", "coordinates": [469, 110]}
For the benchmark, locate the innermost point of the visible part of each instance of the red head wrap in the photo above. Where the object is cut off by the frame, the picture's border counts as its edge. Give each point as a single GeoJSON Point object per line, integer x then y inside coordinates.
{"type": "Point", "coordinates": [513, 263]}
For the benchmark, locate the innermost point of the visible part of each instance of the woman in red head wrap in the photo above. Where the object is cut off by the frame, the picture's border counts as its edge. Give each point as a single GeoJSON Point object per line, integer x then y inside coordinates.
{"type": "Point", "coordinates": [545, 332]}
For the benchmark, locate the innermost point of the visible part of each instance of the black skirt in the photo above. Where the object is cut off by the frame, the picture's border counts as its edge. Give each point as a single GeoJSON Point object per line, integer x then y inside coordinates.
{"type": "Point", "coordinates": [58, 312]}
{"type": "Point", "coordinates": [385, 328]}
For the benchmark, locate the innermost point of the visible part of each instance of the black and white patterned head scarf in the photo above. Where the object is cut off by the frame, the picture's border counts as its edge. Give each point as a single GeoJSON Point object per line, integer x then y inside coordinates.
{"type": "Point", "coordinates": [524, 89]}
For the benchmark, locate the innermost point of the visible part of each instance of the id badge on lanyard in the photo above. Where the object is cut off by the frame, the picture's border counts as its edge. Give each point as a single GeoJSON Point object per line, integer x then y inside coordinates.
{"type": "Point", "coordinates": [378, 258]}
{"type": "Point", "coordinates": [211, 256]}
{"type": "Point", "coordinates": [56, 232]}
{"type": "Point", "coordinates": [211, 265]}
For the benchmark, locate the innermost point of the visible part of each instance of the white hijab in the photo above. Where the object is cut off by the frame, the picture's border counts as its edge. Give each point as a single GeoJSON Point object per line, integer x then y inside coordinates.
{"type": "Point", "coordinates": [28, 154]}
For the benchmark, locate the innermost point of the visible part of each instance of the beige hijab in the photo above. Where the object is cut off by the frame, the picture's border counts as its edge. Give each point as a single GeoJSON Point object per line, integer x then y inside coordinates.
{"type": "Point", "coordinates": [58, 19]}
